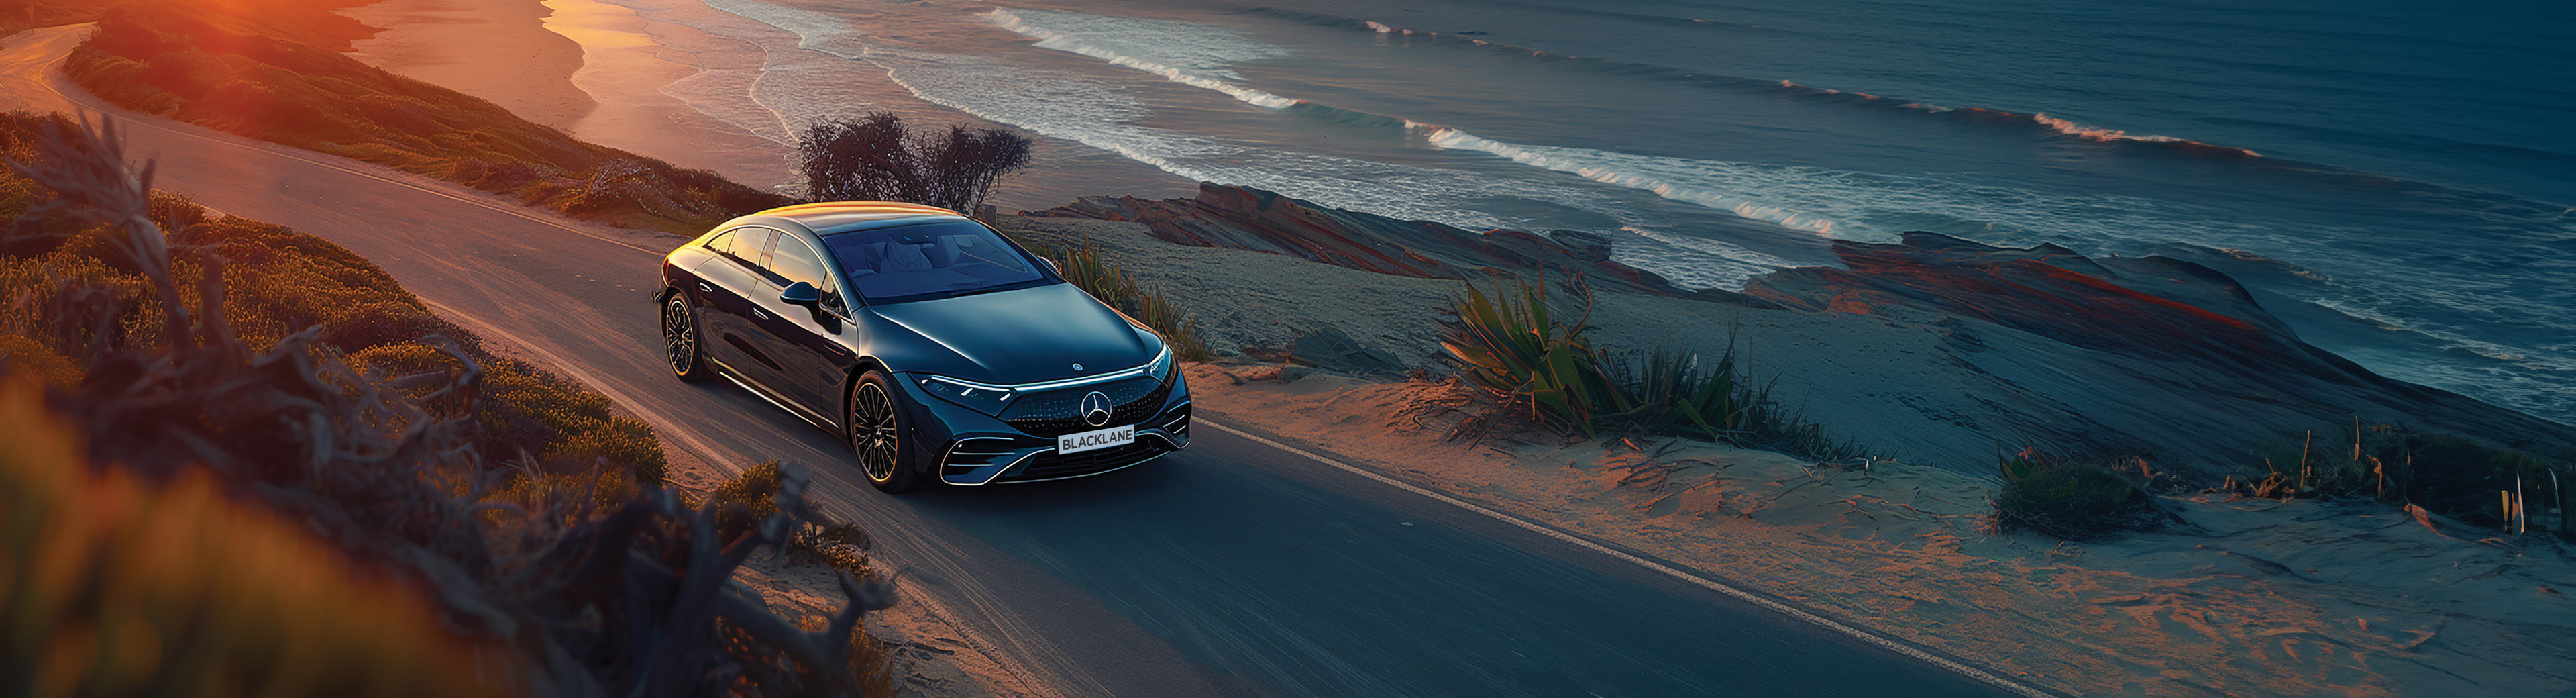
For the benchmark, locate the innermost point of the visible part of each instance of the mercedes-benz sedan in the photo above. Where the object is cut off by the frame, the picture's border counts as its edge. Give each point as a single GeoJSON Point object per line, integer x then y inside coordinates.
{"type": "Point", "coordinates": [940, 350]}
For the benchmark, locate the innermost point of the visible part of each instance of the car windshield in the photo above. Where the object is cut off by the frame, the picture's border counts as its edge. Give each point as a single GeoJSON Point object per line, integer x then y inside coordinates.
{"type": "Point", "coordinates": [930, 259]}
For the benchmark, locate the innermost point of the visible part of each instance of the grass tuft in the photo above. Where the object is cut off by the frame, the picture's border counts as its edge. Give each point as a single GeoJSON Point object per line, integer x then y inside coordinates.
{"type": "Point", "coordinates": [2070, 500]}
{"type": "Point", "coordinates": [1550, 371]}
{"type": "Point", "coordinates": [751, 496]}
{"type": "Point", "coordinates": [2465, 479]}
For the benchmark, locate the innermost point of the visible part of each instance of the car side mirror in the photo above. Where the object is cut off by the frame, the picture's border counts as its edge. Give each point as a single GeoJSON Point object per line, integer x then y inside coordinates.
{"type": "Point", "coordinates": [800, 293]}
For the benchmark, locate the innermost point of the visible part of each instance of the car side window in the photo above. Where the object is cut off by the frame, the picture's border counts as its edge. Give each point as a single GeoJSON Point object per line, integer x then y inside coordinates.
{"type": "Point", "coordinates": [795, 261]}
{"type": "Point", "coordinates": [751, 245]}
{"type": "Point", "coordinates": [721, 243]}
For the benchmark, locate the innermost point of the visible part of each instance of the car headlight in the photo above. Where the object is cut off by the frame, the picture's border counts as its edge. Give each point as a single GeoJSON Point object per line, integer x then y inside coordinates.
{"type": "Point", "coordinates": [976, 396]}
{"type": "Point", "coordinates": [1162, 366]}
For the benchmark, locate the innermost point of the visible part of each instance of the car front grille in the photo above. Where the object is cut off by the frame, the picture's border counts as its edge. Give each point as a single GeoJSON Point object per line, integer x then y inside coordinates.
{"type": "Point", "coordinates": [1049, 466]}
{"type": "Point", "coordinates": [1059, 412]}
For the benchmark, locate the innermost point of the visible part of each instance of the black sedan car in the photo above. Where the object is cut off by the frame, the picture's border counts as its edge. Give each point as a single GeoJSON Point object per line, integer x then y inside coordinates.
{"type": "Point", "coordinates": [936, 347]}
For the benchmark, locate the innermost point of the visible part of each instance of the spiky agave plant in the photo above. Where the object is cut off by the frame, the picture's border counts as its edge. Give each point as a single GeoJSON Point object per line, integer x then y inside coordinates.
{"type": "Point", "coordinates": [1509, 347]}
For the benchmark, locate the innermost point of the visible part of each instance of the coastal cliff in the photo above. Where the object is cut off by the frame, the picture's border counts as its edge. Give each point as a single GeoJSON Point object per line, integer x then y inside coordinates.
{"type": "Point", "coordinates": [1245, 218]}
{"type": "Point", "coordinates": [2166, 352]}
{"type": "Point", "coordinates": [1935, 349]}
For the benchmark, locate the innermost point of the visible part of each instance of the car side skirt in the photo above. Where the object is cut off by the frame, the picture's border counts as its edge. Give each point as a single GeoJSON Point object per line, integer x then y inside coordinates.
{"type": "Point", "coordinates": [735, 377]}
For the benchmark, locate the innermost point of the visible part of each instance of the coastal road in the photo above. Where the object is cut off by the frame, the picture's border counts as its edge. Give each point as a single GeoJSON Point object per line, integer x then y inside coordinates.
{"type": "Point", "coordinates": [1234, 568]}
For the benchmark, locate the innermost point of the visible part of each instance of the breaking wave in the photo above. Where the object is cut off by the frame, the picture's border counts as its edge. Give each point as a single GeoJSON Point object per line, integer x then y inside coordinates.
{"type": "Point", "coordinates": [1190, 54]}
{"type": "Point", "coordinates": [2046, 123]}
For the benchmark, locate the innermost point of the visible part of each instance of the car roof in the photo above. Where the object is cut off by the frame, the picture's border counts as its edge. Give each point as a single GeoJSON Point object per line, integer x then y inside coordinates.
{"type": "Point", "coordinates": [830, 217]}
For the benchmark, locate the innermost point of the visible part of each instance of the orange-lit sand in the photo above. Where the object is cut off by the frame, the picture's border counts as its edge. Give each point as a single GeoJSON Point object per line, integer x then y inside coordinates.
{"type": "Point", "coordinates": [492, 49]}
{"type": "Point", "coordinates": [2256, 597]}
{"type": "Point", "coordinates": [594, 69]}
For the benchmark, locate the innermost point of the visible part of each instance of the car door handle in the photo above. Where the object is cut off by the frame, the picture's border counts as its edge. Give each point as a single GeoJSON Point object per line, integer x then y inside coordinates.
{"type": "Point", "coordinates": [757, 315]}
{"type": "Point", "coordinates": [702, 286]}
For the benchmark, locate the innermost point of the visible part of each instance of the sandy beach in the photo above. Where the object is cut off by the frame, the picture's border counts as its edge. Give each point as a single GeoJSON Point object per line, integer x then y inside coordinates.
{"type": "Point", "coordinates": [595, 70]}
{"type": "Point", "coordinates": [493, 49]}
{"type": "Point", "coordinates": [2254, 597]}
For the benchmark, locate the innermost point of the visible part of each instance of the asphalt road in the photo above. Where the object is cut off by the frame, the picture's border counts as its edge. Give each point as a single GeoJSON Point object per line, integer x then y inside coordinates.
{"type": "Point", "coordinates": [1231, 569]}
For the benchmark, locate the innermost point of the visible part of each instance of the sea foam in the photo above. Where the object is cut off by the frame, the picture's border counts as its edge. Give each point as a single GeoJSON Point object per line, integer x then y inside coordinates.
{"type": "Point", "coordinates": [1191, 54]}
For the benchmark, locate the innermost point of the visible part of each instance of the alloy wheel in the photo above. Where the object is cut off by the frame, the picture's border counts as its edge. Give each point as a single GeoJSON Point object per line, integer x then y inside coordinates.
{"type": "Point", "coordinates": [872, 430]}
{"type": "Point", "coordinates": [679, 336]}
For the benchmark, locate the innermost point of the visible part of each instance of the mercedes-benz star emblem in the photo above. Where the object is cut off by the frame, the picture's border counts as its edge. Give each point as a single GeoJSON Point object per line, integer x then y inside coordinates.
{"type": "Point", "coordinates": [1095, 408]}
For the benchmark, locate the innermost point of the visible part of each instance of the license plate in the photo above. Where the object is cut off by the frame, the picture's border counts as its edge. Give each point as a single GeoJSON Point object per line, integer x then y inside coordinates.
{"type": "Point", "coordinates": [1090, 440]}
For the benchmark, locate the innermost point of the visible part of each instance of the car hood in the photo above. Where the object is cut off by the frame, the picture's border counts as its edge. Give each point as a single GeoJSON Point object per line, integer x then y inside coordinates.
{"type": "Point", "coordinates": [1006, 337]}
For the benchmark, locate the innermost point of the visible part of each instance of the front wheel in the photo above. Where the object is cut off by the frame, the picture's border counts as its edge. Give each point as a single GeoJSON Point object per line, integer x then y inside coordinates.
{"type": "Point", "coordinates": [680, 340]}
{"type": "Point", "coordinates": [876, 435]}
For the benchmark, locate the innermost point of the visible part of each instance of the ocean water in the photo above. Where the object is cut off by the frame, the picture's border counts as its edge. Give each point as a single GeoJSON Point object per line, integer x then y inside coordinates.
{"type": "Point", "coordinates": [2394, 180]}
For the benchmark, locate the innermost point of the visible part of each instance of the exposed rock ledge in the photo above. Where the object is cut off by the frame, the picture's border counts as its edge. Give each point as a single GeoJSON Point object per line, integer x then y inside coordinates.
{"type": "Point", "coordinates": [2168, 352]}
{"type": "Point", "coordinates": [1939, 349]}
{"type": "Point", "coordinates": [1245, 218]}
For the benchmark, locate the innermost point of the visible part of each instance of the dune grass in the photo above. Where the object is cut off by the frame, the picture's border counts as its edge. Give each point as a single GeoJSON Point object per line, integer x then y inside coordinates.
{"type": "Point", "coordinates": [268, 69]}
{"type": "Point", "coordinates": [1551, 371]}
{"type": "Point", "coordinates": [2468, 480]}
{"type": "Point", "coordinates": [2070, 499]}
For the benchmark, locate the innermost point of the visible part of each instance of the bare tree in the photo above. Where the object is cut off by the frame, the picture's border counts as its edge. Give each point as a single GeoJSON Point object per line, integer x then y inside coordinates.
{"type": "Point", "coordinates": [877, 157]}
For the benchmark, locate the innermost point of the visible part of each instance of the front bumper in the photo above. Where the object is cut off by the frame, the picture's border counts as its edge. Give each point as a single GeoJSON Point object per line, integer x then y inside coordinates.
{"type": "Point", "coordinates": [966, 447]}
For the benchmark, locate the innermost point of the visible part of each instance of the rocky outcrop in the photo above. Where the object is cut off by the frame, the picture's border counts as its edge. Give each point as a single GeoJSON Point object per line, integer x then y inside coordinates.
{"type": "Point", "coordinates": [1251, 219]}
{"type": "Point", "coordinates": [2129, 354]}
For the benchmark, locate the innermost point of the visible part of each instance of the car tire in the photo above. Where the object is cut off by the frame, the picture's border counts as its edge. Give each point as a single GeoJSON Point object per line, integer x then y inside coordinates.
{"type": "Point", "coordinates": [876, 434]}
{"type": "Point", "coordinates": [680, 340]}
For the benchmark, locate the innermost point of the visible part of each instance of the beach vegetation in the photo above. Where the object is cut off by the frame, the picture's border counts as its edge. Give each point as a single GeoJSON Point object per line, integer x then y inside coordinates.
{"type": "Point", "coordinates": [749, 497]}
{"type": "Point", "coordinates": [396, 552]}
{"type": "Point", "coordinates": [269, 70]}
{"type": "Point", "coordinates": [2468, 480]}
{"type": "Point", "coordinates": [877, 157]}
{"type": "Point", "coordinates": [1533, 363]}
{"type": "Point", "coordinates": [2071, 499]}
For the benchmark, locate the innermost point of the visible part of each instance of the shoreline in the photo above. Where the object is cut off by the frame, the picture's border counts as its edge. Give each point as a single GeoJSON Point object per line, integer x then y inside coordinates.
{"type": "Point", "coordinates": [429, 40]}
{"type": "Point", "coordinates": [594, 70]}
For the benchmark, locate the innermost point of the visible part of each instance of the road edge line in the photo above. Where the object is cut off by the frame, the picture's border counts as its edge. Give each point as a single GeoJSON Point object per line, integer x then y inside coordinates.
{"type": "Point", "coordinates": [1811, 618]}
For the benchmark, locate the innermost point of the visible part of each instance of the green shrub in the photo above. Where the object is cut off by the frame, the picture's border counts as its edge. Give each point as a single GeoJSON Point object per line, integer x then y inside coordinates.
{"type": "Point", "coordinates": [2070, 500]}
{"type": "Point", "coordinates": [29, 357]}
{"type": "Point", "coordinates": [743, 500]}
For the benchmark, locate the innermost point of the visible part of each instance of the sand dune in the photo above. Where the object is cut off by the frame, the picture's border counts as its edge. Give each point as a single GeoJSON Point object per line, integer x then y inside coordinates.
{"type": "Point", "coordinates": [2253, 597]}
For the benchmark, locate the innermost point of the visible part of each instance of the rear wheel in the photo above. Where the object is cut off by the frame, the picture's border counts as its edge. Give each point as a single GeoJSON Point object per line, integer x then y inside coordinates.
{"type": "Point", "coordinates": [876, 435]}
{"type": "Point", "coordinates": [680, 340]}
